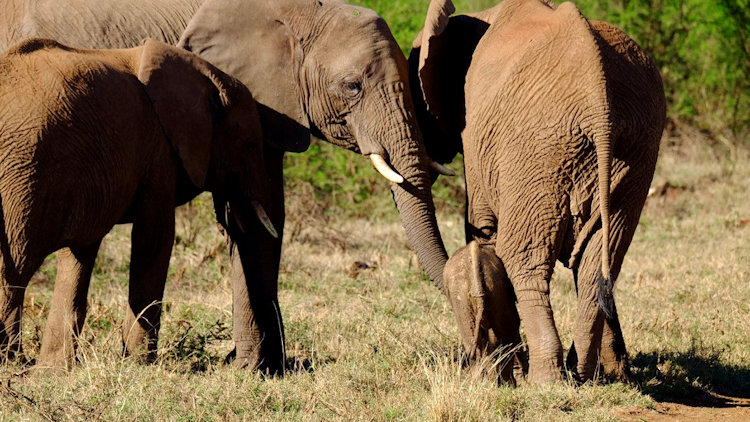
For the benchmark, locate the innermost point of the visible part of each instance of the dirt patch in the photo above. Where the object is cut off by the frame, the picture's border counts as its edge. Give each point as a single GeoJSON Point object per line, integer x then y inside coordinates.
{"type": "Point", "coordinates": [724, 408]}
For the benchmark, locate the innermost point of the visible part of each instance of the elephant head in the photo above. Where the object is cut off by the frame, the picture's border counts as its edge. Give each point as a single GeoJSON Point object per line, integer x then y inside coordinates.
{"type": "Point", "coordinates": [335, 71]}
{"type": "Point", "coordinates": [440, 57]}
{"type": "Point", "coordinates": [211, 121]}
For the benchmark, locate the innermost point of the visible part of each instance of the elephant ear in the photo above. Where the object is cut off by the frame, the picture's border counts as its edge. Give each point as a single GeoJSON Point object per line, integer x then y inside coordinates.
{"type": "Point", "coordinates": [185, 96]}
{"type": "Point", "coordinates": [253, 45]}
{"type": "Point", "coordinates": [429, 43]}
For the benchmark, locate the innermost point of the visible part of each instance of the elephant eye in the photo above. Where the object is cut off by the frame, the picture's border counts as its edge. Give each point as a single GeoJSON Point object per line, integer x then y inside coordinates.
{"type": "Point", "coordinates": [352, 88]}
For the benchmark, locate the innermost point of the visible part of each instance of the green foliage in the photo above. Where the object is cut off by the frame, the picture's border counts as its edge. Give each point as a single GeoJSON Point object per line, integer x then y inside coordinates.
{"type": "Point", "coordinates": [702, 50]}
{"type": "Point", "coordinates": [327, 180]}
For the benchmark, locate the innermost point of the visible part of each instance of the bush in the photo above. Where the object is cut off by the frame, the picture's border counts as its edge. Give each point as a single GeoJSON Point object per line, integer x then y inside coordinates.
{"type": "Point", "coordinates": [702, 50]}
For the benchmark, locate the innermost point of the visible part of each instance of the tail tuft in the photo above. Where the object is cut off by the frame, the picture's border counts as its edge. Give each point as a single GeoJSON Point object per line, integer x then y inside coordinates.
{"type": "Point", "coordinates": [606, 298]}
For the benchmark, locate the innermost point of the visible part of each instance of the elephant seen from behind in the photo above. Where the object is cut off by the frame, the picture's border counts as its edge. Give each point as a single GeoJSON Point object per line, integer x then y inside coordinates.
{"type": "Point", "coordinates": [559, 119]}
{"type": "Point", "coordinates": [93, 138]}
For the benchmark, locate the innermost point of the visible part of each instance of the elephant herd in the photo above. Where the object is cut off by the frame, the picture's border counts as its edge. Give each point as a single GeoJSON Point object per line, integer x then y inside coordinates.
{"type": "Point", "coordinates": [558, 119]}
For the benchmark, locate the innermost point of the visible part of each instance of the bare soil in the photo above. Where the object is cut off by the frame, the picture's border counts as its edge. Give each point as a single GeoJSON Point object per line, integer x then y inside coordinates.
{"type": "Point", "coordinates": [714, 407]}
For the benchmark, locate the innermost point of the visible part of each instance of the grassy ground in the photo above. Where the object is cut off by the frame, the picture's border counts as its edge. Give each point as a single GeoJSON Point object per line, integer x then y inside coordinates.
{"type": "Point", "coordinates": [369, 339]}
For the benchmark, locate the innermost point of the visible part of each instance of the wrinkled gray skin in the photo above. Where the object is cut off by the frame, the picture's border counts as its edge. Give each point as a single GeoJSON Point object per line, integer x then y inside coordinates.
{"type": "Point", "coordinates": [477, 286]}
{"type": "Point", "coordinates": [89, 139]}
{"type": "Point", "coordinates": [315, 67]}
{"type": "Point", "coordinates": [549, 109]}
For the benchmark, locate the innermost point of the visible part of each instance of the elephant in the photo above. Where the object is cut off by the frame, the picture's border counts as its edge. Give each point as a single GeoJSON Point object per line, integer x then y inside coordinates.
{"type": "Point", "coordinates": [559, 121]}
{"type": "Point", "coordinates": [478, 289]}
{"type": "Point", "coordinates": [323, 68]}
{"type": "Point", "coordinates": [92, 138]}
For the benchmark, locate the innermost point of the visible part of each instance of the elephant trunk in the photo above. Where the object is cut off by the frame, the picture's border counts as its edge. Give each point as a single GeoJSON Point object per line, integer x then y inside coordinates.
{"type": "Point", "coordinates": [405, 153]}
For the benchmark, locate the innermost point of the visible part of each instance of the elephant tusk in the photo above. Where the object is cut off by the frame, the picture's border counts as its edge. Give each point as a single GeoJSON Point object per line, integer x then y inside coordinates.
{"type": "Point", "coordinates": [261, 213]}
{"type": "Point", "coordinates": [441, 168]}
{"type": "Point", "coordinates": [383, 168]}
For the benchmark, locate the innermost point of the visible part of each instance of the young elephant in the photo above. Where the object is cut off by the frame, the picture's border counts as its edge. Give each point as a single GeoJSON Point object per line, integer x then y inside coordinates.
{"type": "Point", "coordinates": [92, 138]}
{"type": "Point", "coordinates": [559, 119]}
{"type": "Point", "coordinates": [482, 298]}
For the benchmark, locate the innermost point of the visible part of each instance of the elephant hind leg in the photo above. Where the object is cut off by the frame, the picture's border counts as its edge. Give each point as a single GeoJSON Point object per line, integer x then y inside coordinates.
{"type": "Point", "coordinates": [68, 309]}
{"type": "Point", "coordinates": [16, 270]}
{"type": "Point", "coordinates": [11, 308]}
{"type": "Point", "coordinates": [482, 300]}
{"type": "Point", "coordinates": [596, 340]}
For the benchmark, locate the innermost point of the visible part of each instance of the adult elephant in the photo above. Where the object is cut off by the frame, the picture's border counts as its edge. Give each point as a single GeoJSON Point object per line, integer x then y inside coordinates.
{"type": "Point", "coordinates": [112, 149]}
{"type": "Point", "coordinates": [549, 110]}
{"type": "Point", "coordinates": [321, 67]}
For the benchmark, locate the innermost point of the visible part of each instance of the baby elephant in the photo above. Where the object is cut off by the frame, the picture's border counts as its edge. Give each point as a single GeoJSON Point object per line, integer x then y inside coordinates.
{"type": "Point", "coordinates": [93, 138]}
{"type": "Point", "coordinates": [482, 299]}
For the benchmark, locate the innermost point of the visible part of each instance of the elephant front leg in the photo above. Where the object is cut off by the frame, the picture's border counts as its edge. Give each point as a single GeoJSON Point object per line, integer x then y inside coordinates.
{"type": "Point", "coordinates": [258, 329]}
{"type": "Point", "coordinates": [152, 239]}
{"type": "Point", "coordinates": [68, 310]}
{"type": "Point", "coordinates": [483, 302]}
{"type": "Point", "coordinates": [614, 354]}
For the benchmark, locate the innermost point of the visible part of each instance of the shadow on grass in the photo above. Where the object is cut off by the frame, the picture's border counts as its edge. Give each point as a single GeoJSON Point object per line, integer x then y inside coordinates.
{"type": "Point", "coordinates": [692, 379]}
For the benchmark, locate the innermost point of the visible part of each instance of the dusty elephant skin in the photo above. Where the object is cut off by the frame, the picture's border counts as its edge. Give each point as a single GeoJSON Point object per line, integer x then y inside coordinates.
{"type": "Point", "coordinates": [549, 110]}
{"type": "Point", "coordinates": [320, 67]}
{"type": "Point", "coordinates": [92, 138]}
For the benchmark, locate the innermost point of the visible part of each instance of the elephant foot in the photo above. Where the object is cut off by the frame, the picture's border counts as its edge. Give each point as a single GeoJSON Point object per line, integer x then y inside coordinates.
{"type": "Point", "coordinates": [618, 371]}
{"type": "Point", "coordinates": [137, 345]}
{"type": "Point", "coordinates": [55, 360]}
{"type": "Point", "coordinates": [542, 374]}
{"type": "Point", "coordinates": [44, 369]}
{"type": "Point", "coordinates": [246, 355]}
{"type": "Point", "coordinates": [610, 367]}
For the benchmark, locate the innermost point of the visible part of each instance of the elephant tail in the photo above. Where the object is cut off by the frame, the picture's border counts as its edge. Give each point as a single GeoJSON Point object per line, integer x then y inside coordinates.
{"type": "Point", "coordinates": [604, 280]}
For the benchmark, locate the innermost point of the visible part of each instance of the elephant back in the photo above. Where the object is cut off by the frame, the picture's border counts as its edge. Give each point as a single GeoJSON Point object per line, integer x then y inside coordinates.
{"type": "Point", "coordinates": [69, 124]}
{"type": "Point", "coordinates": [95, 23]}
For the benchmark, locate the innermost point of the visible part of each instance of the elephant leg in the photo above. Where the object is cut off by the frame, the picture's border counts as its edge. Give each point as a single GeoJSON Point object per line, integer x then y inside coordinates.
{"type": "Point", "coordinates": [482, 299]}
{"type": "Point", "coordinates": [614, 354]}
{"type": "Point", "coordinates": [68, 310]}
{"type": "Point", "coordinates": [596, 339]}
{"type": "Point", "coordinates": [11, 309]}
{"type": "Point", "coordinates": [16, 270]}
{"type": "Point", "coordinates": [152, 240]}
{"type": "Point", "coordinates": [258, 329]}
{"type": "Point", "coordinates": [529, 260]}
{"type": "Point", "coordinates": [587, 336]}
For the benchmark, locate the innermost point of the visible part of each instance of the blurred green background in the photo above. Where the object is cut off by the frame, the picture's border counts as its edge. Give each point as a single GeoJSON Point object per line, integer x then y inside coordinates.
{"type": "Point", "coordinates": [700, 46]}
